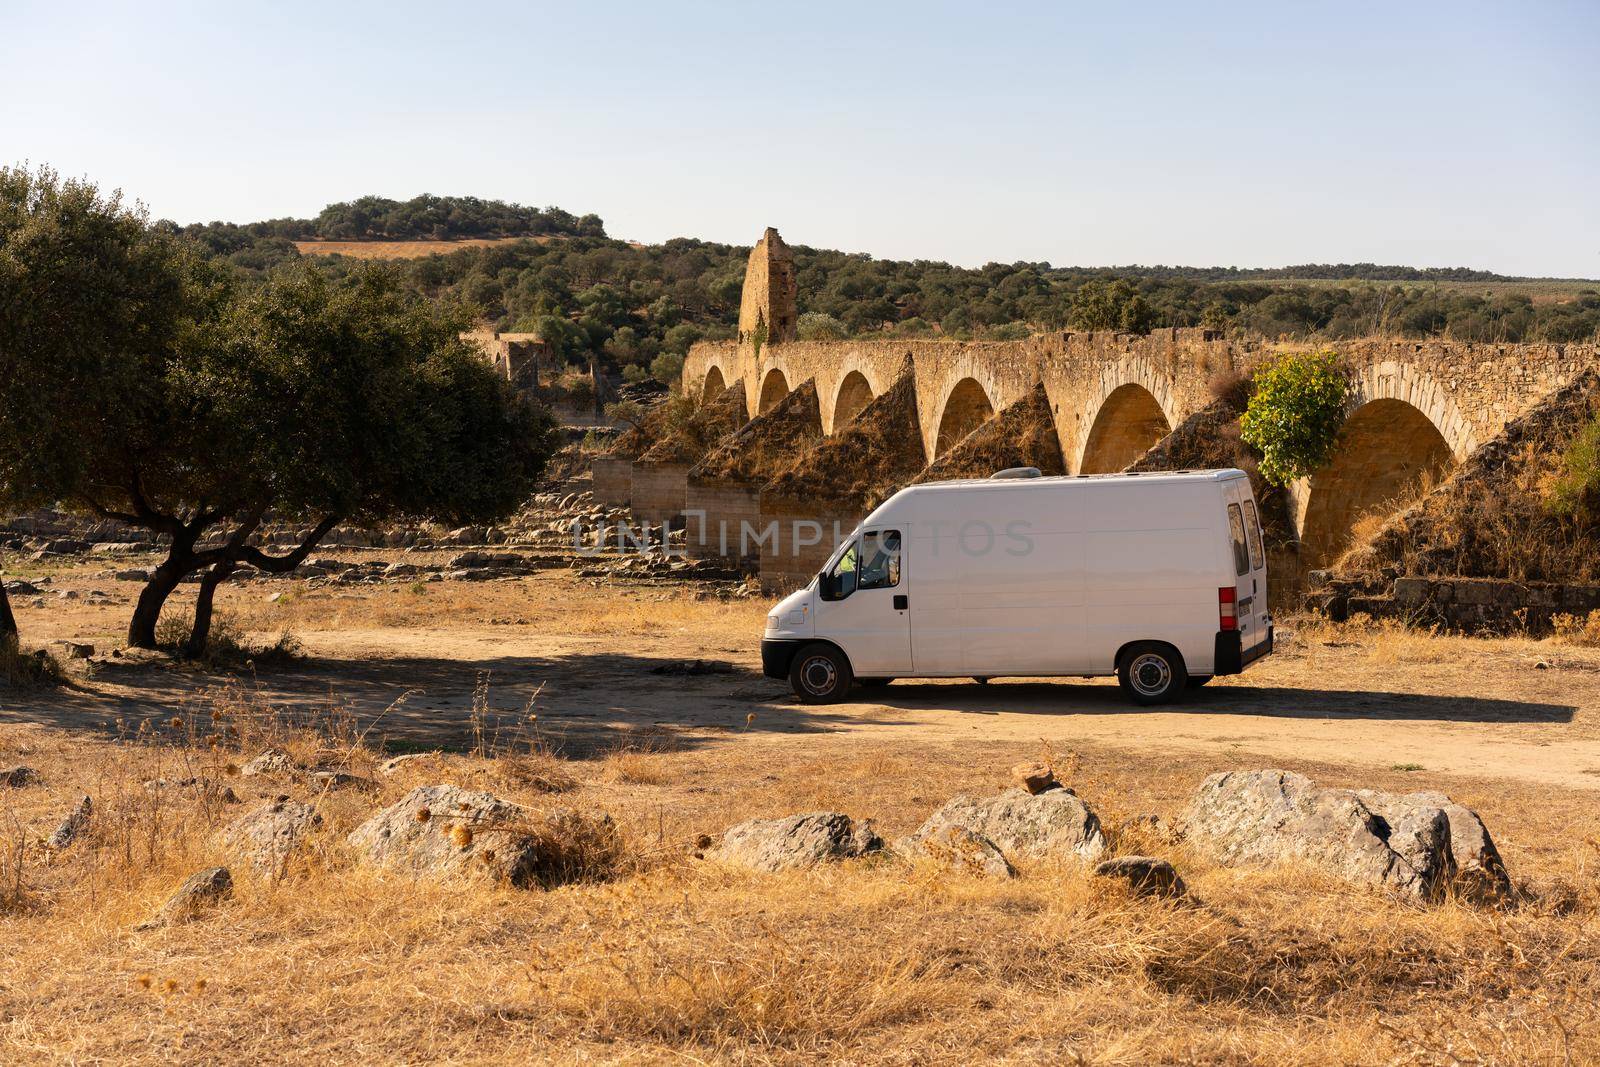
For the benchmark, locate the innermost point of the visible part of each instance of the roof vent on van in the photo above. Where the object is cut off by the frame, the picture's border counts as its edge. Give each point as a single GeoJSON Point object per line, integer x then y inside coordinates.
{"type": "Point", "coordinates": [1016, 472]}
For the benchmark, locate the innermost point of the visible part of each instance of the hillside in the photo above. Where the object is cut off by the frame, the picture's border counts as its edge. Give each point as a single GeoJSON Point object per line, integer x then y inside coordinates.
{"type": "Point", "coordinates": [642, 306]}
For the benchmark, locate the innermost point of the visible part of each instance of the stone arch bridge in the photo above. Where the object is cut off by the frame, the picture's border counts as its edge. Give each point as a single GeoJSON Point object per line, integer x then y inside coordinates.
{"type": "Point", "coordinates": [1417, 408]}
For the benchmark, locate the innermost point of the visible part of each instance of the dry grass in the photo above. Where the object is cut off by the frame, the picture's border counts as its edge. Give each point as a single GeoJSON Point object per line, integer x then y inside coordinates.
{"type": "Point", "coordinates": [1574, 630]}
{"type": "Point", "coordinates": [402, 249]}
{"type": "Point", "coordinates": [670, 957]}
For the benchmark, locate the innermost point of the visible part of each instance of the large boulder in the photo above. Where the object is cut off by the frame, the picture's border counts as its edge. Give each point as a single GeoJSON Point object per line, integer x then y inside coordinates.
{"type": "Point", "coordinates": [1054, 824]}
{"type": "Point", "coordinates": [443, 831]}
{"type": "Point", "coordinates": [270, 833]}
{"type": "Point", "coordinates": [1403, 843]}
{"type": "Point", "coordinates": [796, 842]}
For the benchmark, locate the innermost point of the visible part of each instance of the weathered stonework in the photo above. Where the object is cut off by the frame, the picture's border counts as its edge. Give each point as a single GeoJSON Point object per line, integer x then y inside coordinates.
{"type": "Point", "coordinates": [767, 306]}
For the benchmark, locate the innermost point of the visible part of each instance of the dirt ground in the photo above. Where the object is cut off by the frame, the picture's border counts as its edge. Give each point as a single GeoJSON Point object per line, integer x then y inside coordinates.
{"type": "Point", "coordinates": [547, 689]}
{"type": "Point", "coordinates": [588, 661]}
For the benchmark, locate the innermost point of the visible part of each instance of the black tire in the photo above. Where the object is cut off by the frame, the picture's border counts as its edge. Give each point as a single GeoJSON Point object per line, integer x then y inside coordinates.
{"type": "Point", "coordinates": [1152, 673]}
{"type": "Point", "coordinates": [873, 683]}
{"type": "Point", "coordinates": [1197, 680]}
{"type": "Point", "coordinates": [820, 675]}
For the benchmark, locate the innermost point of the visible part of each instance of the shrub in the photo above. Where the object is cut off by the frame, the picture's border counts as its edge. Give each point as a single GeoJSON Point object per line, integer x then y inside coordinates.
{"type": "Point", "coordinates": [1233, 386]}
{"type": "Point", "coordinates": [24, 670]}
{"type": "Point", "coordinates": [1576, 491]}
{"type": "Point", "coordinates": [816, 326]}
{"type": "Point", "coordinates": [1577, 630]}
{"type": "Point", "coordinates": [1294, 414]}
{"type": "Point", "coordinates": [667, 368]}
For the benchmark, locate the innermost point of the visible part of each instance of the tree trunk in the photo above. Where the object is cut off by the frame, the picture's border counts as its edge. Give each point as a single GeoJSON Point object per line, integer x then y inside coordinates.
{"type": "Point", "coordinates": [8, 621]}
{"type": "Point", "coordinates": [173, 569]}
{"type": "Point", "coordinates": [200, 634]}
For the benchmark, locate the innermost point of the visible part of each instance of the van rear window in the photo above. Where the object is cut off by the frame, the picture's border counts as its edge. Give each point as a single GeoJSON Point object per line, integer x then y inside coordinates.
{"type": "Point", "coordinates": [1241, 554]}
{"type": "Point", "coordinates": [1252, 533]}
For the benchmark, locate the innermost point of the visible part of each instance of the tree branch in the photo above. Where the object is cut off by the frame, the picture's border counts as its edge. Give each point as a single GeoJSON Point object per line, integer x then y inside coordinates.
{"type": "Point", "coordinates": [284, 564]}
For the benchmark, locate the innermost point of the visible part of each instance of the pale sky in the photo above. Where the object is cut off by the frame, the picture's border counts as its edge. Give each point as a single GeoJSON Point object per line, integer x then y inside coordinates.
{"type": "Point", "coordinates": [1428, 134]}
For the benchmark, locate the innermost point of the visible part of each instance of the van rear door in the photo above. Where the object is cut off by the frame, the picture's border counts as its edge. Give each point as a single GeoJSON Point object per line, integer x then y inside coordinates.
{"type": "Point", "coordinates": [1250, 565]}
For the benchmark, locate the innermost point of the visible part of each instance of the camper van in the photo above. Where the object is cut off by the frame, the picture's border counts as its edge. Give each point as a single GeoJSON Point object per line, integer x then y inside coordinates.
{"type": "Point", "coordinates": [1158, 578]}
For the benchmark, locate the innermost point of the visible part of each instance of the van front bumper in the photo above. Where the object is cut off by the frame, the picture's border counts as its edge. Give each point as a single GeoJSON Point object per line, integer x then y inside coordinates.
{"type": "Point", "coordinates": [777, 653]}
{"type": "Point", "coordinates": [1231, 658]}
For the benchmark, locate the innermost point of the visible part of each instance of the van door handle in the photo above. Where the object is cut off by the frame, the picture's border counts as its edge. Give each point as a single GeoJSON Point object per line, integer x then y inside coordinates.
{"type": "Point", "coordinates": [901, 601]}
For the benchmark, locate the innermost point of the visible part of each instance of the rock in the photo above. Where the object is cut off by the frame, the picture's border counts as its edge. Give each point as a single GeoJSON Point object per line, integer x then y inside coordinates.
{"type": "Point", "coordinates": [200, 891]}
{"type": "Point", "coordinates": [960, 849]}
{"type": "Point", "coordinates": [1480, 873]}
{"type": "Point", "coordinates": [1035, 777]}
{"type": "Point", "coordinates": [67, 594]}
{"type": "Point", "coordinates": [73, 649]}
{"type": "Point", "coordinates": [693, 666]}
{"type": "Point", "coordinates": [1054, 824]}
{"type": "Point", "coordinates": [132, 574]}
{"type": "Point", "coordinates": [1403, 843]}
{"type": "Point", "coordinates": [331, 780]}
{"type": "Point", "coordinates": [21, 587]}
{"type": "Point", "coordinates": [440, 831]}
{"type": "Point", "coordinates": [270, 763]}
{"type": "Point", "coordinates": [796, 842]}
{"type": "Point", "coordinates": [18, 777]}
{"type": "Point", "coordinates": [395, 763]}
{"type": "Point", "coordinates": [75, 823]}
{"type": "Point", "coordinates": [1145, 875]}
{"type": "Point", "coordinates": [271, 832]}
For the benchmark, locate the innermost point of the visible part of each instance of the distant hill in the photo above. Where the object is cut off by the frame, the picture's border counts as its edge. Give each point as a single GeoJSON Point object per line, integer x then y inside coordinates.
{"type": "Point", "coordinates": [638, 307]}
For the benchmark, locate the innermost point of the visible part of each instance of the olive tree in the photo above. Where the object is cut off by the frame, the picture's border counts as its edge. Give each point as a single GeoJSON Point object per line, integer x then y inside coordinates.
{"type": "Point", "coordinates": [175, 403]}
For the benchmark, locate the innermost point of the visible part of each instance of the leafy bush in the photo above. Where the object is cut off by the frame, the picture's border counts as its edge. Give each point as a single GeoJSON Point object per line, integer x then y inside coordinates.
{"type": "Point", "coordinates": [1577, 490]}
{"type": "Point", "coordinates": [819, 326]}
{"type": "Point", "coordinates": [667, 368]}
{"type": "Point", "coordinates": [1294, 414]}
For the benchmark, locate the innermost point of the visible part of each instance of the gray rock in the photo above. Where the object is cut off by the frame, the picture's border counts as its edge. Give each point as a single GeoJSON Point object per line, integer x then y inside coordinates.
{"type": "Point", "coordinates": [73, 649]}
{"type": "Point", "coordinates": [1402, 843]}
{"type": "Point", "coordinates": [1054, 824]}
{"type": "Point", "coordinates": [132, 574]}
{"type": "Point", "coordinates": [270, 763]}
{"type": "Point", "coordinates": [1480, 873]}
{"type": "Point", "coordinates": [961, 850]}
{"type": "Point", "coordinates": [75, 823]}
{"type": "Point", "coordinates": [394, 764]}
{"type": "Point", "coordinates": [199, 892]}
{"type": "Point", "coordinates": [1146, 875]}
{"type": "Point", "coordinates": [270, 833]}
{"type": "Point", "coordinates": [331, 780]}
{"type": "Point", "coordinates": [18, 777]}
{"type": "Point", "coordinates": [796, 842]}
{"type": "Point", "coordinates": [22, 587]}
{"type": "Point", "coordinates": [443, 831]}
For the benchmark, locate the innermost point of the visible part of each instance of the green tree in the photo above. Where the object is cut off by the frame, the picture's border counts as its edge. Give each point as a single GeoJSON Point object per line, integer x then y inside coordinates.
{"type": "Point", "coordinates": [819, 326]}
{"type": "Point", "coordinates": [1576, 490]}
{"type": "Point", "coordinates": [667, 368]}
{"type": "Point", "coordinates": [1295, 412]}
{"type": "Point", "coordinates": [156, 396]}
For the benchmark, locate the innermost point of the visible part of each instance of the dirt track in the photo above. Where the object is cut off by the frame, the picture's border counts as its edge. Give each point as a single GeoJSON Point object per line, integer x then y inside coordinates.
{"type": "Point", "coordinates": [1384, 700]}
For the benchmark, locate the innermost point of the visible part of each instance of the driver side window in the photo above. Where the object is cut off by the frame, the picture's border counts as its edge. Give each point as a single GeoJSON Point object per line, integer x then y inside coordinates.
{"type": "Point", "coordinates": [880, 559]}
{"type": "Point", "coordinates": [842, 579]}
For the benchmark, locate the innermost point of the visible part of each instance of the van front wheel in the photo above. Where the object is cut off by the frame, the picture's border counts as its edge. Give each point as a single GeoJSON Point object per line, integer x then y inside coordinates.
{"type": "Point", "coordinates": [820, 675]}
{"type": "Point", "coordinates": [1152, 673]}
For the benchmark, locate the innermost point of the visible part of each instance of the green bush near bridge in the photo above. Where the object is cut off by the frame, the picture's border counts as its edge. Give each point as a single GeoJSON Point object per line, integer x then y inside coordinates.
{"type": "Point", "coordinates": [1295, 413]}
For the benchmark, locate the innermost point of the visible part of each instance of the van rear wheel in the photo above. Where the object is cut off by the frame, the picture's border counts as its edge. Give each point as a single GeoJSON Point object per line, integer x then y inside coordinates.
{"type": "Point", "coordinates": [1152, 673]}
{"type": "Point", "coordinates": [820, 675]}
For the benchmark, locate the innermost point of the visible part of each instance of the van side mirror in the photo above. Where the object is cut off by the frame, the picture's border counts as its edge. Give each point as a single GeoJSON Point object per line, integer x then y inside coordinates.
{"type": "Point", "coordinates": [826, 587]}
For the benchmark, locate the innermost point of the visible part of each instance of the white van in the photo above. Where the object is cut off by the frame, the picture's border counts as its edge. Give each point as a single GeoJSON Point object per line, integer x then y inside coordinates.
{"type": "Point", "coordinates": [1158, 578]}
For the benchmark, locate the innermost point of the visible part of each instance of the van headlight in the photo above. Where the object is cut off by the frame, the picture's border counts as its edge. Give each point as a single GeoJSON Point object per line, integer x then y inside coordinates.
{"type": "Point", "coordinates": [772, 622]}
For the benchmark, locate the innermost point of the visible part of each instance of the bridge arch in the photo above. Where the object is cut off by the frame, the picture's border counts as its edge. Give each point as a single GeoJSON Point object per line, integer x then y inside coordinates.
{"type": "Point", "coordinates": [1129, 421]}
{"type": "Point", "coordinates": [774, 387]}
{"type": "Point", "coordinates": [966, 407]}
{"type": "Point", "coordinates": [1131, 409]}
{"type": "Point", "coordinates": [855, 393]}
{"type": "Point", "coordinates": [714, 386]}
{"type": "Point", "coordinates": [1403, 434]}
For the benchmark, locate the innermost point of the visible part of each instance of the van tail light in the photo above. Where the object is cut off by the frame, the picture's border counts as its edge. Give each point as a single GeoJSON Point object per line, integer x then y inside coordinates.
{"type": "Point", "coordinates": [1227, 608]}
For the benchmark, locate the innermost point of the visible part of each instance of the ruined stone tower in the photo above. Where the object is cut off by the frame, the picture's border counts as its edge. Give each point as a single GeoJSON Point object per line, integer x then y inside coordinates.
{"type": "Point", "coordinates": [767, 307]}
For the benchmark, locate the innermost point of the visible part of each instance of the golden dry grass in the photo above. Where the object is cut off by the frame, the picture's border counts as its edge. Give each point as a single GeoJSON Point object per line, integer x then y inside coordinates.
{"type": "Point", "coordinates": [672, 957]}
{"type": "Point", "coordinates": [401, 249]}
